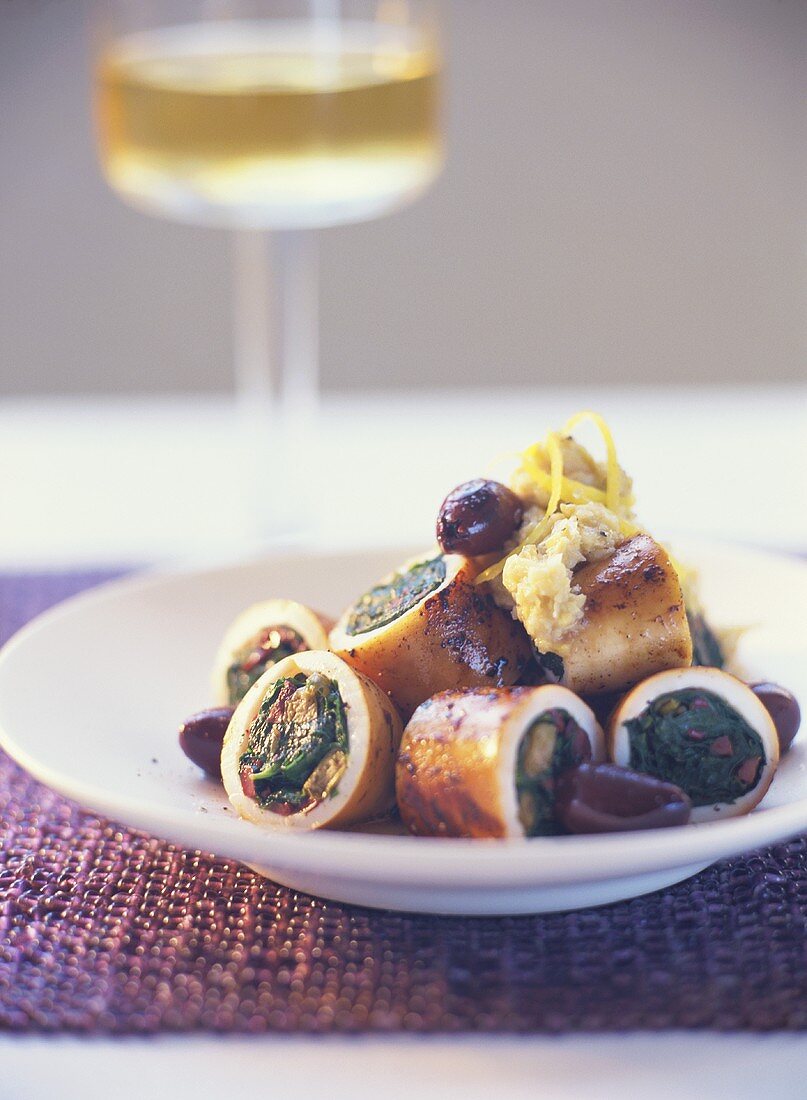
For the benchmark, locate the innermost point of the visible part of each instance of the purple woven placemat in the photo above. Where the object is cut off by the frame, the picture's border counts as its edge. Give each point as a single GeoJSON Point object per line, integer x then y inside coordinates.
{"type": "Point", "coordinates": [104, 930]}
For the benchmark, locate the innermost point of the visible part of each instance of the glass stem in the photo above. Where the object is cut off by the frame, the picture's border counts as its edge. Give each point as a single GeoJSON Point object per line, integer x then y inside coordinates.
{"type": "Point", "coordinates": [255, 356]}
{"type": "Point", "coordinates": [276, 338]}
{"type": "Point", "coordinates": [299, 278]}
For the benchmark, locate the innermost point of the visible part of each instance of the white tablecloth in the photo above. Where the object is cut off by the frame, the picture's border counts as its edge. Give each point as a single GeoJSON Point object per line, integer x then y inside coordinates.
{"type": "Point", "coordinates": [588, 1067]}
{"type": "Point", "coordinates": [137, 481]}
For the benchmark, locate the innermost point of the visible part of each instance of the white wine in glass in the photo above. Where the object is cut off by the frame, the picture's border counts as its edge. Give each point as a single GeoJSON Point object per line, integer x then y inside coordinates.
{"type": "Point", "coordinates": [249, 124]}
{"type": "Point", "coordinates": [285, 115]}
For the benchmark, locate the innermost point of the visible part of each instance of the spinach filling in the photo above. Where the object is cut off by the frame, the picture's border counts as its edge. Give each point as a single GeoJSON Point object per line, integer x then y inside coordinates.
{"type": "Point", "coordinates": [252, 660]}
{"type": "Point", "coordinates": [706, 647]}
{"type": "Point", "coordinates": [552, 743]}
{"type": "Point", "coordinates": [696, 740]}
{"type": "Point", "coordinates": [297, 745]}
{"type": "Point", "coordinates": [387, 602]}
{"type": "Point", "coordinates": [550, 666]}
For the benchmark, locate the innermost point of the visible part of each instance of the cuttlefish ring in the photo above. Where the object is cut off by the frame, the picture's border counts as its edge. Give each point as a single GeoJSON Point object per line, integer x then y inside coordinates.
{"type": "Point", "coordinates": [485, 763]}
{"type": "Point", "coordinates": [312, 743]}
{"type": "Point", "coordinates": [427, 628]}
{"type": "Point", "coordinates": [703, 730]}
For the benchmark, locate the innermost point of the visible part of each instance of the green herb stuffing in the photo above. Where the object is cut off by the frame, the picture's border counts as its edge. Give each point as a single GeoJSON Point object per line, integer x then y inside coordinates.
{"type": "Point", "coordinates": [387, 602]}
{"type": "Point", "coordinates": [252, 660]}
{"type": "Point", "coordinates": [696, 740]}
{"type": "Point", "coordinates": [284, 755]}
{"type": "Point", "coordinates": [550, 745]}
{"type": "Point", "coordinates": [550, 666]}
{"type": "Point", "coordinates": [706, 647]}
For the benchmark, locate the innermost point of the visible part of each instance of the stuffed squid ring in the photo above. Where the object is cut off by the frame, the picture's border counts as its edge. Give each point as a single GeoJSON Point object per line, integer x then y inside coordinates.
{"type": "Point", "coordinates": [703, 730]}
{"type": "Point", "coordinates": [312, 743]}
{"type": "Point", "coordinates": [260, 637]}
{"type": "Point", "coordinates": [484, 763]}
{"type": "Point", "coordinates": [427, 628]}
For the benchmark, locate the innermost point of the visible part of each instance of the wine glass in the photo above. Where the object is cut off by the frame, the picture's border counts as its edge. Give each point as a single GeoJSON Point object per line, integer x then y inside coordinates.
{"type": "Point", "coordinates": [281, 115]}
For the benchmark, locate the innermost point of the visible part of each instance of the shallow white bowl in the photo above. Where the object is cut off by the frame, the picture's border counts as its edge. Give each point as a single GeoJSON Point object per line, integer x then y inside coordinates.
{"type": "Point", "coordinates": [92, 693]}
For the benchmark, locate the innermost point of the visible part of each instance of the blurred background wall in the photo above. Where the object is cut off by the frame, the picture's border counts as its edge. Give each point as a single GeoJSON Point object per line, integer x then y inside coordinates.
{"type": "Point", "coordinates": [624, 200]}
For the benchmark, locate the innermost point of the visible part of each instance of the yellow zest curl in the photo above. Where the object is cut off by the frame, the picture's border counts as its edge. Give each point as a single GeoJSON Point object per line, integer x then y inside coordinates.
{"type": "Point", "coordinates": [536, 533]}
{"type": "Point", "coordinates": [563, 489]}
{"type": "Point", "coordinates": [572, 492]}
{"type": "Point", "coordinates": [499, 461]}
{"type": "Point", "coordinates": [612, 476]}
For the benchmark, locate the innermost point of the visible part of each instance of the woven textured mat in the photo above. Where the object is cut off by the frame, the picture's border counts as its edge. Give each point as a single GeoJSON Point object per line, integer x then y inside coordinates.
{"type": "Point", "coordinates": [104, 930]}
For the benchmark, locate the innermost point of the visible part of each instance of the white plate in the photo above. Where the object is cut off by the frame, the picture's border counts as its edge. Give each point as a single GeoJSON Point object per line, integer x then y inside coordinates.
{"type": "Point", "coordinates": [92, 693]}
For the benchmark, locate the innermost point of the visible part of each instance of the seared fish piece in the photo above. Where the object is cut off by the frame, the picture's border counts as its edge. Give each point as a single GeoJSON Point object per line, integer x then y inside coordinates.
{"type": "Point", "coordinates": [312, 743]}
{"type": "Point", "coordinates": [704, 731]}
{"type": "Point", "coordinates": [484, 763]}
{"type": "Point", "coordinates": [427, 628]}
{"type": "Point", "coordinates": [634, 620]}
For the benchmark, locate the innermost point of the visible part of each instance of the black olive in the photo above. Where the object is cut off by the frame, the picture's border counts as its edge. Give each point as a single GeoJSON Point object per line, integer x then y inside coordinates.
{"type": "Point", "coordinates": [478, 517]}
{"type": "Point", "coordinates": [605, 798]}
{"type": "Point", "coordinates": [783, 708]}
{"type": "Point", "coordinates": [201, 738]}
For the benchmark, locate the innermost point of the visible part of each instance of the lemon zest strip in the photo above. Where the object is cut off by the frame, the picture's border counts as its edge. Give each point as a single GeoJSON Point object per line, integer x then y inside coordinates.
{"type": "Point", "coordinates": [575, 492]}
{"type": "Point", "coordinates": [537, 532]}
{"type": "Point", "coordinates": [500, 459]}
{"type": "Point", "coordinates": [562, 488]}
{"type": "Point", "coordinates": [612, 478]}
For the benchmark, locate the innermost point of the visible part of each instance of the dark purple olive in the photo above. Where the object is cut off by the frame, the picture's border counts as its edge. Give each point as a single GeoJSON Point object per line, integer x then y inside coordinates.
{"type": "Point", "coordinates": [478, 517]}
{"type": "Point", "coordinates": [783, 708]}
{"type": "Point", "coordinates": [201, 737]}
{"type": "Point", "coordinates": [605, 798]}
